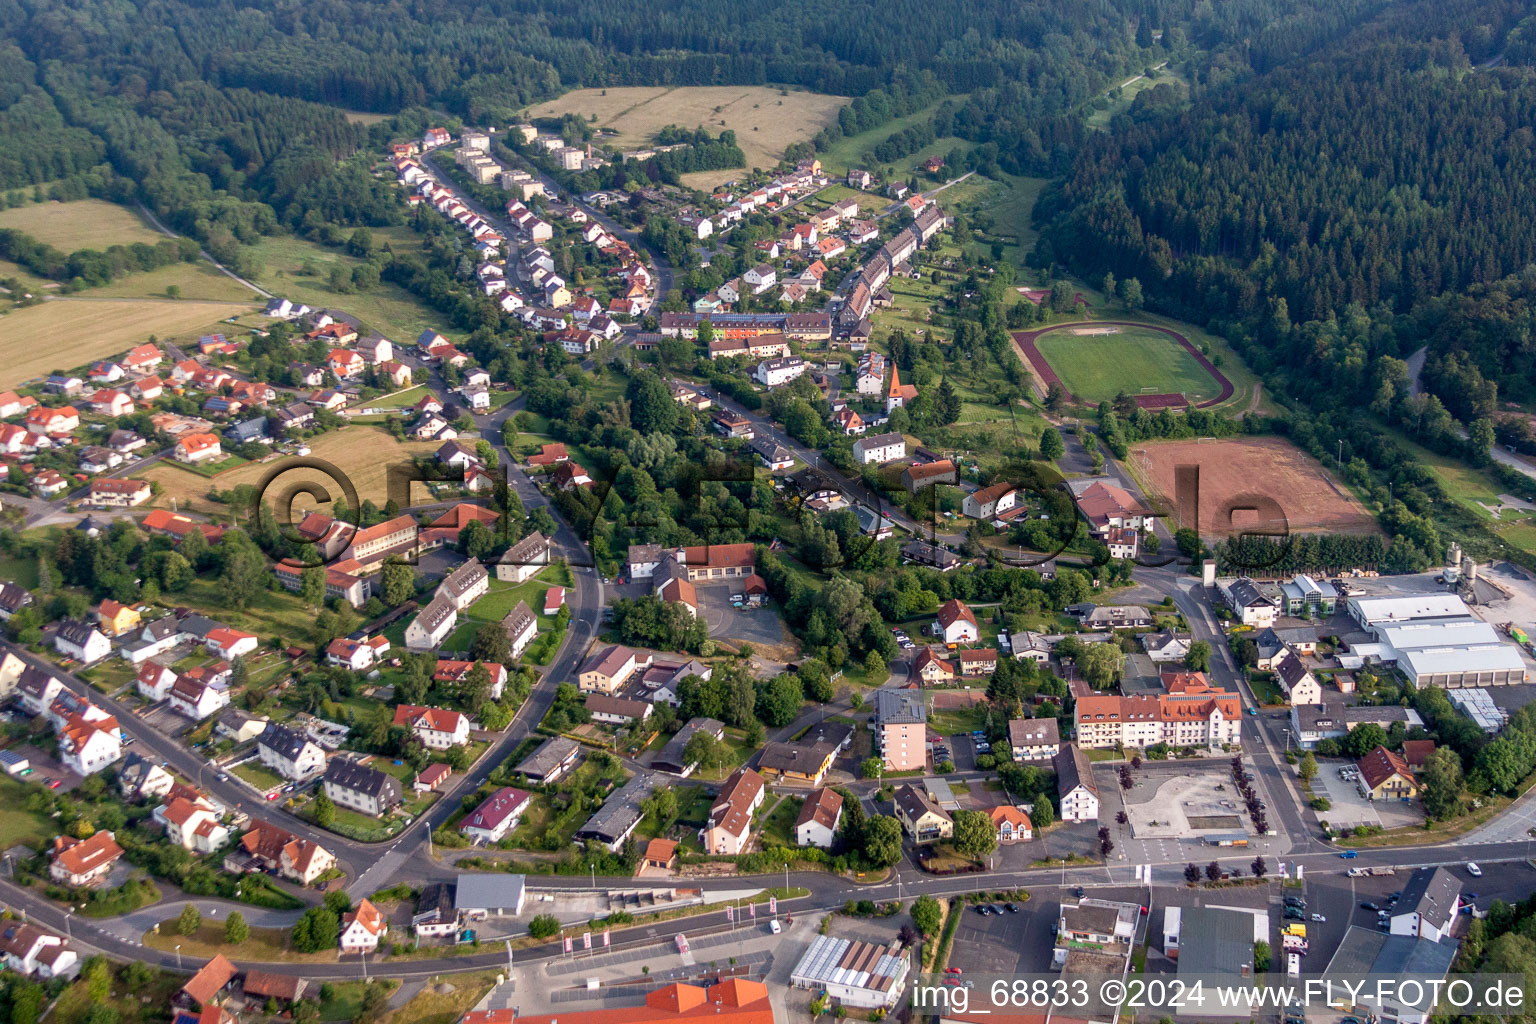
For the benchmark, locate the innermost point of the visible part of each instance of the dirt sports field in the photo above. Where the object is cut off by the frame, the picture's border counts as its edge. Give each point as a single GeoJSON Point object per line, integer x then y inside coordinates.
{"type": "Point", "coordinates": [1095, 360]}
{"type": "Point", "coordinates": [1234, 470]}
{"type": "Point", "coordinates": [765, 122]}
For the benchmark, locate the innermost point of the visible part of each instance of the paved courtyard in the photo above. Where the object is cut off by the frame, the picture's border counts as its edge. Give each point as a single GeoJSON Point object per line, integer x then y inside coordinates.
{"type": "Point", "coordinates": [1185, 805]}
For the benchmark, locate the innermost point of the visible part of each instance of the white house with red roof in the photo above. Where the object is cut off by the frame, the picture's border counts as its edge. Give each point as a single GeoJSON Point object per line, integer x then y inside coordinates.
{"type": "Point", "coordinates": [361, 929]}
{"type": "Point", "coordinates": [89, 741]}
{"type": "Point", "coordinates": [192, 824]}
{"type": "Point", "coordinates": [198, 447]}
{"type": "Point", "coordinates": [436, 728]}
{"type": "Point", "coordinates": [956, 623]}
{"type": "Point", "coordinates": [344, 363]}
{"type": "Point", "coordinates": [196, 698]}
{"type": "Point", "coordinates": [147, 389]}
{"type": "Point", "coordinates": [143, 358]}
{"type": "Point", "coordinates": [230, 644]}
{"type": "Point", "coordinates": [111, 402]}
{"type": "Point", "coordinates": [154, 681]}
{"type": "Point", "coordinates": [497, 815]}
{"type": "Point", "coordinates": [81, 862]}
{"type": "Point", "coordinates": [62, 420]}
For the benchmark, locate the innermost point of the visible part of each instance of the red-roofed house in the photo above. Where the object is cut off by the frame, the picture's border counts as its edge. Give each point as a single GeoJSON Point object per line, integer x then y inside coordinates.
{"type": "Point", "coordinates": [230, 644]}
{"type": "Point", "coordinates": [43, 420]}
{"type": "Point", "coordinates": [361, 929]}
{"type": "Point", "coordinates": [111, 402]}
{"type": "Point", "coordinates": [80, 862]}
{"type": "Point", "coordinates": [497, 815]}
{"type": "Point", "coordinates": [344, 363]}
{"type": "Point", "coordinates": [199, 447]}
{"type": "Point", "coordinates": [956, 623]}
{"type": "Point", "coordinates": [437, 728]}
{"type": "Point", "coordinates": [736, 1001]}
{"type": "Point", "coordinates": [1012, 824]}
{"type": "Point", "coordinates": [143, 358]}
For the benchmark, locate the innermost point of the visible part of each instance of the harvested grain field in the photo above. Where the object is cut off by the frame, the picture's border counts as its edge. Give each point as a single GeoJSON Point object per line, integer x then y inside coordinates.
{"type": "Point", "coordinates": [1246, 483]}
{"type": "Point", "coordinates": [765, 120]}
{"type": "Point", "coordinates": [65, 333]}
{"type": "Point", "coordinates": [363, 453]}
{"type": "Point", "coordinates": [82, 224]}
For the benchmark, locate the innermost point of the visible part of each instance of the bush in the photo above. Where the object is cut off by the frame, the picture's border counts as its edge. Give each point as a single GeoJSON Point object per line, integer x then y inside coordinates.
{"type": "Point", "coordinates": [1320, 803]}
{"type": "Point", "coordinates": [543, 926]}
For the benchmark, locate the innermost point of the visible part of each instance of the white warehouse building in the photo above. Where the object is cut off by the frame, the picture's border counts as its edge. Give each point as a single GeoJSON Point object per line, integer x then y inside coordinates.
{"type": "Point", "coordinates": [1434, 640]}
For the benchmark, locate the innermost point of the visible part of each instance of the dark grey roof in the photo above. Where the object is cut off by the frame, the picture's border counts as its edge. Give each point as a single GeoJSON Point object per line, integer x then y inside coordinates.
{"type": "Point", "coordinates": [1034, 732]}
{"type": "Point", "coordinates": [544, 760]}
{"type": "Point", "coordinates": [1367, 951]}
{"type": "Point", "coordinates": [1311, 717]}
{"type": "Point", "coordinates": [14, 596]}
{"type": "Point", "coordinates": [132, 772]}
{"type": "Point", "coordinates": [619, 812]}
{"type": "Point", "coordinates": [1214, 940]}
{"type": "Point", "coordinates": [494, 891]}
{"type": "Point", "coordinates": [794, 757]}
{"type": "Point", "coordinates": [463, 579]}
{"type": "Point", "coordinates": [531, 550]}
{"type": "Point", "coordinates": [199, 626]}
{"type": "Point", "coordinates": [73, 631]}
{"type": "Point", "coordinates": [247, 430]}
{"type": "Point", "coordinates": [922, 551]}
{"type": "Point", "coordinates": [359, 778]}
{"type": "Point", "coordinates": [1244, 593]}
{"type": "Point", "coordinates": [899, 706]}
{"type": "Point", "coordinates": [435, 904]}
{"type": "Point", "coordinates": [1290, 669]}
{"type": "Point", "coordinates": [283, 741]}
{"type": "Point", "coordinates": [671, 757]}
{"type": "Point", "coordinates": [914, 802]}
{"type": "Point", "coordinates": [1072, 770]}
{"type": "Point", "coordinates": [1431, 893]}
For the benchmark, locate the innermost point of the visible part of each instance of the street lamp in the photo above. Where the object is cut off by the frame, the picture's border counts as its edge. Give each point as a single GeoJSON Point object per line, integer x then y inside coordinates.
{"type": "Point", "coordinates": [178, 956]}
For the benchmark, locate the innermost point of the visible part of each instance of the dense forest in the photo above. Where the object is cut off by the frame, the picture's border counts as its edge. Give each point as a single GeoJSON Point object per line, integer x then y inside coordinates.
{"type": "Point", "coordinates": [226, 119]}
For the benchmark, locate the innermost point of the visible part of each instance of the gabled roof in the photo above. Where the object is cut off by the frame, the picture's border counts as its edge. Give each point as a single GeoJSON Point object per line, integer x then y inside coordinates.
{"type": "Point", "coordinates": [954, 610]}
{"type": "Point", "coordinates": [823, 807]}
{"type": "Point", "coordinates": [82, 856]}
{"type": "Point", "coordinates": [1381, 764]}
{"type": "Point", "coordinates": [210, 980]}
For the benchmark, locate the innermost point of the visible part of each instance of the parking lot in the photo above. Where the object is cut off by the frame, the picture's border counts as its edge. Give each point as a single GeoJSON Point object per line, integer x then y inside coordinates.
{"type": "Point", "coordinates": [1348, 808]}
{"type": "Point", "coordinates": [724, 622]}
{"type": "Point", "coordinates": [1006, 943]}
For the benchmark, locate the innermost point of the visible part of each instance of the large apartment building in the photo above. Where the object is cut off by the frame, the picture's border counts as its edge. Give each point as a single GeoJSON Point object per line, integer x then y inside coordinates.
{"type": "Point", "coordinates": [1196, 717]}
{"type": "Point", "coordinates": [901, 729]}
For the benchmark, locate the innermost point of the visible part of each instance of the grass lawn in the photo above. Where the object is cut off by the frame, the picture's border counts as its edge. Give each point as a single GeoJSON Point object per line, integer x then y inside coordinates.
{"type": "Point", "coordinates": [386, 308]}
{"type": "Point", "coordinates": [19, 570]}
{"type": "Point", "coordinates": [263, 944]}
{"type": "Point", "coordinates": [853, 151]}
{"type": "Point", "coordinates": [347, 998]}
{"type": "Point", "coordinates": [270, 613]}
{"type": "Point", "coordinates": [18, 825]}
{"type": "Point", "coordinates": [81, 224]}
{"type": "Point", "coordinates": [779, 823]}
{"type": "Point", "coordinates": [502, 596]}
{"type": "Point", "coordinates": [29, 337]}
{"type": "Point", "coordinates": [200, 280]}
{"type": "Point", "coordinates": [258, 776]}
{"type": "Point", "coordinates": [1096, 368]}
{"type": "Point", "coordinates": [1100, 118]}
{"type": "Point", "coordinates": [401, 399]}
{"type": "Point", "coordinates": [736, 753]}
{"type": "Point", "coordinates": [957, 723]}
{"type": "Point", "coordinates": [432, 1007]}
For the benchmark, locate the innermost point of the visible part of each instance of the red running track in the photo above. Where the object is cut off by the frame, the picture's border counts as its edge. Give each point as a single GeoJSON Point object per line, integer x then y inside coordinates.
{"type": "Point", "coordinates": [1026, 342]}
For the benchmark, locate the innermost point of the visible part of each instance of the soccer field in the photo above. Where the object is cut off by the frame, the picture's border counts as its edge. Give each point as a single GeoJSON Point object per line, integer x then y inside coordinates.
{"type": "Point", "coordinates": [1096, 367]}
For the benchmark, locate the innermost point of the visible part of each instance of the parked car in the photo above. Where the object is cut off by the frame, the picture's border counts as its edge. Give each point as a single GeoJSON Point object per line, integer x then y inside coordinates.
{"type": "Point", "coordinates": [1369, 906]}
{"type": "Point", "coordinates": [1319, 918]}
{"type": "Point", "coordinates": [1077, 891]}
{"type": "Point", "coordinates": [1474, 870]}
